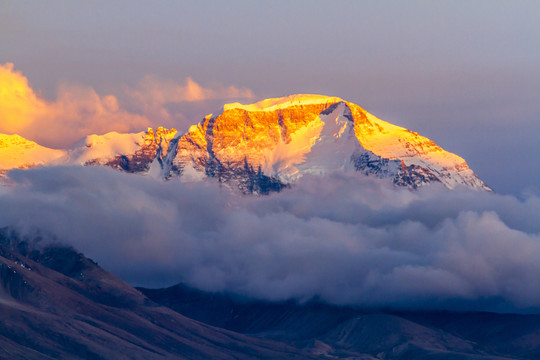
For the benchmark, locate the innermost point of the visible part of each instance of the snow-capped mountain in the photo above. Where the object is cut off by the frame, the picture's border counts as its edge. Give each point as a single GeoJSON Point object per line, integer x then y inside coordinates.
{"type": "Point", "coordinates": [265, 146]}
{"type": "Point", "coordinates": [132, 152]}
{"type": "Point", "coordinates": [18, 152]}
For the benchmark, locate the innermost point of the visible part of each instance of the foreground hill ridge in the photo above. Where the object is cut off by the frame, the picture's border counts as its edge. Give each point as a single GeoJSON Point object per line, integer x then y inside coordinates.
{"type": "Point", "coordinates": [57, 304]}
{"type": "Point", "coordinates": [263, 147]}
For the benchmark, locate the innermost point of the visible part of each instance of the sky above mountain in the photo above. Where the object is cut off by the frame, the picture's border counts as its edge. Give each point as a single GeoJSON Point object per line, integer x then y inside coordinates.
{"type": "Point", "coordinates": [463, 74]}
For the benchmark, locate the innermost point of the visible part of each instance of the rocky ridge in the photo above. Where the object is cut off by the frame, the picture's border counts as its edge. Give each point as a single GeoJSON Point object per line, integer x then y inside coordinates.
{"type": "Point", "coordinates": [268, 145]}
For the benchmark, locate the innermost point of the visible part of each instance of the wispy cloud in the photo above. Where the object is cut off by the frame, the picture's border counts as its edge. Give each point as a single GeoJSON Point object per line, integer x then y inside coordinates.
{"type": "Point", "coordinates": [79, 110]}
{"type": "Point", "coordinates": [159, 91]}
{"type": "Point", "coordinates": [166, 101]}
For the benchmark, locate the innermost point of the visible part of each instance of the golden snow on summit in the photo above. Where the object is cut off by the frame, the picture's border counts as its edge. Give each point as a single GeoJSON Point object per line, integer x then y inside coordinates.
{"type": "Point", "coordinates": [263, 146]}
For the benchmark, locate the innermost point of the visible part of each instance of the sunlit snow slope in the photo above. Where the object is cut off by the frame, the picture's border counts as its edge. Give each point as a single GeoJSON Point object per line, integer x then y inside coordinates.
{"type": "Point", "coordinates": [265, 146]}
{"type": "Point", "coordinates": [285, 138]}
{"type": "Point", "coordinates": [18, 152]}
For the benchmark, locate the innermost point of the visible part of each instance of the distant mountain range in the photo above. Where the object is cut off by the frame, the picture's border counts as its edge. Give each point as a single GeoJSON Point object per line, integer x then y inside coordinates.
{"type": "Point", "coordinates": [263, 147]}
{"type": "Point", "coordinates": [338, 332]}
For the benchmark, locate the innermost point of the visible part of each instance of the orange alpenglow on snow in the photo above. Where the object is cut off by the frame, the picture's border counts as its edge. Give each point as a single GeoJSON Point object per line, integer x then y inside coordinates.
{"type": "Point", "coordinates": [267, 145]}
{"type": "Point", "coordinates": [17, 152]}
{"type": "Point", "coordinates": [291, 136]}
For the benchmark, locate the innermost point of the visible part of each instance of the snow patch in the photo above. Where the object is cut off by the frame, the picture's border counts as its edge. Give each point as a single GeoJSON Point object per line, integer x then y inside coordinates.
{"type": "Point", "coordinates": [105, 146]}
{"type": "Point", "coordinates": [18, 152]}
{"type": "Point", "coordinates": [284, 102]}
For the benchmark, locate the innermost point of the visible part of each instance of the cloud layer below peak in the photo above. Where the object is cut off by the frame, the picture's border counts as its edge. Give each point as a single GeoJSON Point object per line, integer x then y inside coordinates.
{"type": "Point", "coordinates": [345, 239]}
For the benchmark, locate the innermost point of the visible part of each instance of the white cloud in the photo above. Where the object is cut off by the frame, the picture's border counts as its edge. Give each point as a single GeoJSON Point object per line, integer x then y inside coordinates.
{"type": "Point", "coordinates": [360, 241]}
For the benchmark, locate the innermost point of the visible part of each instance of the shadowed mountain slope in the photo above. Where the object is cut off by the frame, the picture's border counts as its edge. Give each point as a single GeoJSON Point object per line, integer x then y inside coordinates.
{"type": "Point", "coordinates": [349, 333]}
{"type": "Point", "coordinates": [55, 303]}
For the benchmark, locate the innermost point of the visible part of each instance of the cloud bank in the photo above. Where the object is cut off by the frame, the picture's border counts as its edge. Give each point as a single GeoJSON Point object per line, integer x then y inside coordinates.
{"type": "Point", "coordinates": [79, 111]}
{"type": "Point", "coordinates": [345, 239]}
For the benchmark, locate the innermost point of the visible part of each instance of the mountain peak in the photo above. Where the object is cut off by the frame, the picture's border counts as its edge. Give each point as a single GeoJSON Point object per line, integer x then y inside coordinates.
{"type": "Point", "coordinates": [284, 102]}
{"type": "Point", "coordinates": [264, 147]}
{"type": "Point", "coordinates": [18, 152]}
{"type": "Point", "coordinates": [15, 139]}
{"type": "Point", "coordinates": [282, 139]}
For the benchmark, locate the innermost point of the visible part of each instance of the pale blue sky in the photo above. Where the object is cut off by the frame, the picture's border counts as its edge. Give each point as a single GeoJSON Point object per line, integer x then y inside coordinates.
{"type": "Point", "coordinates": [464, 73]}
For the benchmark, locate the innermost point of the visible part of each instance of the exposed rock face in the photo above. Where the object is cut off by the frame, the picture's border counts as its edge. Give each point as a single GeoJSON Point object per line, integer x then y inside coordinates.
{"type": "Point", "coordinates": [155, 145]}
{"type": "Point", "coordinates": [266, 146]}
{"type": "Point", "coordinates": [277, 141]}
